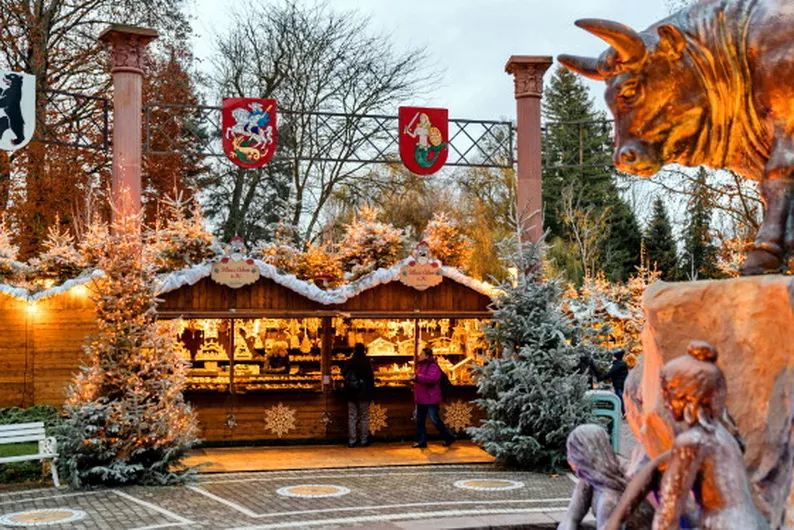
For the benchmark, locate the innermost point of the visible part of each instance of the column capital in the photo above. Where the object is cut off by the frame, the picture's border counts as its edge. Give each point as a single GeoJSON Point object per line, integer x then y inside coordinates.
{"type": "Point", "coordinates": [127, 45]}
{"type": "Point", "coordinates": [527, 72]}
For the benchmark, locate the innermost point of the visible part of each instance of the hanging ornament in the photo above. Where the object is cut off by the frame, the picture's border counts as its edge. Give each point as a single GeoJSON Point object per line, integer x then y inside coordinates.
{"type": "Point", "coordinates": [231, 421]}
{"type": "Point", "coordinates": [294, 342]}
{"type": "Point", "coordinates": [306, 345]}
{"type": "Point", "coordinates": [444, 324]}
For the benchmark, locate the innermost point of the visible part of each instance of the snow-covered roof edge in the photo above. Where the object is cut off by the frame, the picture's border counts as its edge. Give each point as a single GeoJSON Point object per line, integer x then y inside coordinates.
{"type": "Point", "coordinates": [25, 295]}
{"type": "Point", "coordinates": [339, 295]}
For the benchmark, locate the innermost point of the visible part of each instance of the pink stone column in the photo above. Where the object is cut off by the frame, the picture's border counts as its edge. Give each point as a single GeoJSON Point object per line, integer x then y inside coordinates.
{"type": "Point", "coordinates": [528, 73]}
{"type": "Point", "coordinates": [127, 46]}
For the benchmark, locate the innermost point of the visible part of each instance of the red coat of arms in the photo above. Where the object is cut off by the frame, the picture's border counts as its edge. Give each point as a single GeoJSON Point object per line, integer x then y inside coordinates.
{"type": "Point", "coordinates": [249, 131]}
{"type": "Point", "coordinates": [424, 137]}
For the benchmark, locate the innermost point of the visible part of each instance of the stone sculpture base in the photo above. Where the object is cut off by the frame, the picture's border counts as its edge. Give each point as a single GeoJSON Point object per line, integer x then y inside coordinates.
{"type": "Point", "coordinates": [751, 322]}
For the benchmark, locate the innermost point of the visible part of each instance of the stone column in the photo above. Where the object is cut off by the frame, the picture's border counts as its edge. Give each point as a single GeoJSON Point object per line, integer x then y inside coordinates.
{"type": "Point", "coordinates": [527, 72]}
{"type": "Point", "coordinates": [127, 46]}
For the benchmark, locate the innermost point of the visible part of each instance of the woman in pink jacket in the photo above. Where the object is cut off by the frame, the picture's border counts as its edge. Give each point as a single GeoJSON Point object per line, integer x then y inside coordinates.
{"type": "Point", "coordinates": [427, 396]}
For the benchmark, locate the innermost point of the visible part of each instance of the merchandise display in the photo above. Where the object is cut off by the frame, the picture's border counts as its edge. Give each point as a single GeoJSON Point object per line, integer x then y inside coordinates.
{"type": "Point", "coordinates": [242, 355]}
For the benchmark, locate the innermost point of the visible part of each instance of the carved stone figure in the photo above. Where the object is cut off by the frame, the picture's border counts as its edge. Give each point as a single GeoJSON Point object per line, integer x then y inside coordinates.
{"type": "Point", "coordinates": [601, 480]}
{"type": "Point", "coordinates": [705, 459]}
{"type": "Point", "coordinates": [711, 85]}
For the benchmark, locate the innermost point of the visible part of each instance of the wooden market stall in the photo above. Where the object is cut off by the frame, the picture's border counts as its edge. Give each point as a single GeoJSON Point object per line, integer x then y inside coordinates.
{"type": "Point", "coordinates": [266, 356]}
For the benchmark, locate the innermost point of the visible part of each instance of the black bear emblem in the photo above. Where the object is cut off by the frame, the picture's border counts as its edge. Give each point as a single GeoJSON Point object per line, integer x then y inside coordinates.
{"type": "Point", "coordinates": [10, 100]}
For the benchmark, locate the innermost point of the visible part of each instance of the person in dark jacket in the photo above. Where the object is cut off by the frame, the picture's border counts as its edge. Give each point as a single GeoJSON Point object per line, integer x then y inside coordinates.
{"type": "Point", "coordinates": [617, 373]}
{"type": "Point", "coordinates": [360, 390]}
{"type": "Point", "coordinates": [427, 397]}
{"type": "Point", "coordinates": [587, 367]}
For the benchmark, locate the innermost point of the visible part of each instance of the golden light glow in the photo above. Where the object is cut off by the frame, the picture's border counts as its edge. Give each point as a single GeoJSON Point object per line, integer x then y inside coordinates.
{"type": "Point", "coordinates": [31, 307]}
{"type": "Point", "coordinates": [80, 290]}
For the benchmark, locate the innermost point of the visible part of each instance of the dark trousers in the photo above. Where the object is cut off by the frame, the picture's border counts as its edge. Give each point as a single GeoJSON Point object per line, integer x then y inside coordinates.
{"type": "Point", "coordinates": [619, 392]}
{"type": "Point", "coordinates": [422, 412]}
{"type": "Point", "coordinates": [358, 420]}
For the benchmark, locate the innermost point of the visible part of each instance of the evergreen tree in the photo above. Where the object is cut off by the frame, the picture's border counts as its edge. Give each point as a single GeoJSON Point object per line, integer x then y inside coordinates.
{"type": "Point", "coordinates": [10, 268]}
{"type": "Point", "coordinates": [700, 254]}
{"type": "Point", "coordinates": [59, 260]}
{"type": "Point", "coordinates": [577, 150]}
{"type": "Point", "coordinates": [659, 243]}
{"type": "Point", "coordinates": [179, 239]}
{"type": "Point", "coordinates": [126, 419]}
{"type": "Point", "coordinates": [529, 388]}
{"type": "Point", "coordinates": [448, 243]}
{"type": "Point", "coordinates": [369, 245]}
{"type": "Point", "coordinates": [282, 252]}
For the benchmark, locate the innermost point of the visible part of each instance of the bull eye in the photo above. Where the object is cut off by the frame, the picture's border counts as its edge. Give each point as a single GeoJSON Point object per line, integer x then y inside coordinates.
{"type": "Point", "coordinates": [628, 91]}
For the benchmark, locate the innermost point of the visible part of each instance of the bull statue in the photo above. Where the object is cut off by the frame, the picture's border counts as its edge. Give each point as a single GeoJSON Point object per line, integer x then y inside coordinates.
{"type": "Point", "coordinates": [712, 85]}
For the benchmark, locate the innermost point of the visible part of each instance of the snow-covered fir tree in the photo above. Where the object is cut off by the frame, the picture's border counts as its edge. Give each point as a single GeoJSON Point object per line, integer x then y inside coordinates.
{"type": "Point", "coordinates": [282, 252]}
{"type": "Point", "coordinates": [181, 240]}
{"type": "Point", "coordinates": [59, 260]}
{"type": "Point", "coordinates": [10, 268]}
{"type": "Point", "coordinates": [369, 244]}
{"type": "Point", "coordinates": [126, 419]}
{"type": "Point", "coordinates": [317, 263]}
{"type": "Point", "coordinates": [91, 245]}
{"type": "Point", "coordinates": [529, 387]}
{"type": "Point", "coordinates": [448, 243]}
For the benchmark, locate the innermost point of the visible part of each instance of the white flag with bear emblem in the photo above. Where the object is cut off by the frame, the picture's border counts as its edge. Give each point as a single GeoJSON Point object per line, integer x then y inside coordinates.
{"type": "Point", "coordinates": [17, 109]}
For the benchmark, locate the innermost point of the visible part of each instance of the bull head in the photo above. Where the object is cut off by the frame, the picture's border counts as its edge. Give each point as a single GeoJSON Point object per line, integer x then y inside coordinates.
{"type": "Point", "coordinates": [657, 100]}
{"type": "Point", "coordinates": [628, 45]}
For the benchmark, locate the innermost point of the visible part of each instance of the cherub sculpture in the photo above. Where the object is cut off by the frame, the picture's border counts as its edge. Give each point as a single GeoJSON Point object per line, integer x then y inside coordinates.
{"type": "Point", "coordinates": [706, 459]}
{"type": "Point", "coordinates": [601, 481]}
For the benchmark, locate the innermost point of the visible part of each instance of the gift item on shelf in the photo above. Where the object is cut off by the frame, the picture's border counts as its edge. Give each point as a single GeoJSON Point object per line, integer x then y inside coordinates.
{"type": "Point", "coordinates": [212, 351]}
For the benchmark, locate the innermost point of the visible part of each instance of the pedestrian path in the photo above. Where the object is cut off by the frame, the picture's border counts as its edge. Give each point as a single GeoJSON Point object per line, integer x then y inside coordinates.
{"type": "Point", "coordinates": [448, 496]}
{"type": "Point", "coordinates": [230, 459]}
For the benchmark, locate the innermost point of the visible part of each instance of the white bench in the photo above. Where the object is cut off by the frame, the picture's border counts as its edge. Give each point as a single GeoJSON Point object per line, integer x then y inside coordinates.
{"type": "Point", "coordinates": [31, 432]}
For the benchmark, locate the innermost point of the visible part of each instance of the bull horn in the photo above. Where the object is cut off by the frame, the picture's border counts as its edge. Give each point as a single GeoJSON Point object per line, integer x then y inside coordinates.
{"type": "Point", "coordinates": [626, 41]}
{"type": "Point", "coordinates": [586, 66]}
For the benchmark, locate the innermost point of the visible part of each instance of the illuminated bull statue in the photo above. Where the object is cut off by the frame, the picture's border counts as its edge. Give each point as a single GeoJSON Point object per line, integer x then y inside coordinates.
{"type": "Point", "coordinates": [711, 85]}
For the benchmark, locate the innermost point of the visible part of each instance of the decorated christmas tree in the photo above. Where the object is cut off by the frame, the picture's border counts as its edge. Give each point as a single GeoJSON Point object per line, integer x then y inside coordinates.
{"type": "Point", "coordinates": [448, 243]}
{"type": "Point", "coordinates": [126, 419]}
{"type": "Point", "coordinates": [529, 388]}
{"type": "Point", "coordinates": [181, 240]}
{"type": "Point", "coordinates": [59, 261]}
{"type": "Point", "coordinates": [369, 245]}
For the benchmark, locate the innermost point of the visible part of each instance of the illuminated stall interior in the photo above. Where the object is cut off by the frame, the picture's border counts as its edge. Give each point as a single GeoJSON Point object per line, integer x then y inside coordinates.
{"type": "Point", "coordinates": [287, 353]}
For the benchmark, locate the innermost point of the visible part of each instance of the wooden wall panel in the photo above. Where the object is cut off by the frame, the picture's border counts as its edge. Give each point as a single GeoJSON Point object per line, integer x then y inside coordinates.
{"type": "Point", "coordinates": [265, 296]}
{"type": "Point", "coordinates": [249, 411]}
{"type": "Point", "coordinates": [447, 297]}
{"type": "Point", "coordinates": [16, 374]}
{"type": "Point", "coordinates": [61, 326]}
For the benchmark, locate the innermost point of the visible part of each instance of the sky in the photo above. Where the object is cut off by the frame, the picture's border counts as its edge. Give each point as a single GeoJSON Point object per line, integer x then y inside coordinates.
{"type": "Point", "coordinates": [470, 41]}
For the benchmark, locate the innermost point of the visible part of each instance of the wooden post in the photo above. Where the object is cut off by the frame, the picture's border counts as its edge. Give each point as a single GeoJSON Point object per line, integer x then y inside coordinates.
{"type": "Point", "coordinates": [325, 354]}
{"type": "Point", "coordinates": [127, 47]}
{"type": "Point", "coordinates": [527, 72]}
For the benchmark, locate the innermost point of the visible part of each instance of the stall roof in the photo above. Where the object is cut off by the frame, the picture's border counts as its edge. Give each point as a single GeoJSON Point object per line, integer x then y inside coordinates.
{"type": "Point", "coordinates": [339, 295]}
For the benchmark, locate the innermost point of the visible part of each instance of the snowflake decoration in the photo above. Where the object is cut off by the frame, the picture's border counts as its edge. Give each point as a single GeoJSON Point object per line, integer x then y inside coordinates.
{"type": "Point", "coordinates": [378, 418]}
{"type": "Point", "coordinates": [280, 419]}
{"type": "Point", "coordinates": [457, 415]}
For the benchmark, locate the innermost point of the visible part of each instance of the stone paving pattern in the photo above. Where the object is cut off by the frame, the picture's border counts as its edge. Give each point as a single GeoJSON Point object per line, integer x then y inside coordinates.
{"type": "Point", "coordinates": [379, 498]}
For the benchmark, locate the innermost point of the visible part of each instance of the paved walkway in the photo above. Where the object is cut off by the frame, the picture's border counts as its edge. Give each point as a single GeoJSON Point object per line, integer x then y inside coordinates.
{"type": "Point", "coordinates": [422, 497]}
{"type": "Point", "coordinates": [229, 459]}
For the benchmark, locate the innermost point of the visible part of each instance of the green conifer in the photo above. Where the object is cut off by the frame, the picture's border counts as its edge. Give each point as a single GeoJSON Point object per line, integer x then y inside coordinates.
{"type": "Point", "coordinates": [660, 244]}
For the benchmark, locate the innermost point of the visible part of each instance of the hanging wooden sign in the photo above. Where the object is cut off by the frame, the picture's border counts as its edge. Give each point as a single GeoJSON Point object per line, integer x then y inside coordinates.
{"type": "Point", "coordinates": [421, 271]}
{"type": "Point", "coordinates": [234, 269]}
